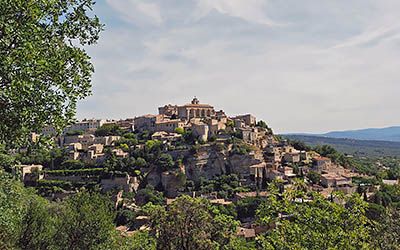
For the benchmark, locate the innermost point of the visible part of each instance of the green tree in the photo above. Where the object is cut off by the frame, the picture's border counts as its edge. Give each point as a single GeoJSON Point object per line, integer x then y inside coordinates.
{"type": "Point", "coordinates": [148, 194]}
{"type": "Point", "coordinates": [13, 206]}
{"type": "Point", "coordinates": [190, 223]}
{"type": "Point", "coordinates": [85, 222]}
{"type": "Point", "coordinates": [109, 129]}
{"type": "Point", "coordinates": [138, 241]}
{"type": "Point", "coordinates": [25, 221]}
{"type": "Point", "coordinates": [37, 226]}
{"type": "Point", "coordinates": [180, 131]}
{"type": "Point", "coordinates": [44, 69]}
{"type": "Point", "coordinates": [314, 177]}
{"type": "Point", "coordinates": [72, 164]}
{"type": "Point", "coordinates": [7, 162]}
{"type": "Point", "coordinates": [165, 162]}
{"type": "Point", "coordinates": [240, 244]}
{"type": "Point", "coordinates": [140, 162]}
{"type": "Point", "coordinates": [386, 233]}
{"type": "Point", "coordinates": [318, 224]}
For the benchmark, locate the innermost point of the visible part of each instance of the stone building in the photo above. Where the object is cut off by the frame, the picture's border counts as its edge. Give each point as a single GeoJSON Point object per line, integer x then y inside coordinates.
{"type": "Point", "coordinates": [119, 182]}
{"type": "Point", "coordinates": [30, 173]}
{"type": "Point", "coordinates": [200, 130]}
{"type": "Point", "coordinates": [169, 110]}
{"type": "Point", "coordinates": [293, 157]}
{"type": "Point", "coordinates": [334, 180]}
{"type": "Point", "coordinates": [147, 122]}
{"type": "Point", "coordinates": [248, 119]}
{"type": "Point", "coordinates": [107, 140]}
{"type": "Point", "coordinates": [215, 125]}
{"type": "Point", "coordinates": [85, 140]}
{"type": "Point", "coordinates": [169, 125]}
{"type": "Point", "coordinates": [191, 110]}
{"type": "Point", "coordinates": [86, 125]}
{"type": "Point", "coordinates": [321, 164]}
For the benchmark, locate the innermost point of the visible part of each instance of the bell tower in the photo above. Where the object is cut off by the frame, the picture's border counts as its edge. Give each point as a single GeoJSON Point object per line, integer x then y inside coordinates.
{"type": "Point", "coordinates": [195, 100]}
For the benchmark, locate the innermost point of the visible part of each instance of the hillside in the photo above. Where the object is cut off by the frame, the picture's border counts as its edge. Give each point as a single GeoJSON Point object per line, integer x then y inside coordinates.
{"type": "Point", "coordinates": [368, 148]}
{"type": "Point", "coordinates": [380, 134]}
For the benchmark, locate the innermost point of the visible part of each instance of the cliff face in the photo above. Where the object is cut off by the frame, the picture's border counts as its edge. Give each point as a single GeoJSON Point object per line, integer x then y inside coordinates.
{"type": "Point", "coordinates": [241, 164]}
{"type": "Point", "coordinates": [207, 163]}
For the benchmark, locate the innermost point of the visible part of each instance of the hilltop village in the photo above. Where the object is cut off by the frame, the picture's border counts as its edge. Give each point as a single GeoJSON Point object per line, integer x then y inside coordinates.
{"type": "Point", "coordinates": [191, 149]}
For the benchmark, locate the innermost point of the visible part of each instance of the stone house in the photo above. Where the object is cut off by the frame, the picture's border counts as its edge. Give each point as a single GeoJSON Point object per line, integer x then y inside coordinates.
{"type": "Point", "coordinates": [119, 182]}
{"type": "Point", "coordinates": [30, 173]}
{"type": "Point", "coordinates": [166, 137]}
{"type": "Point", "coordinates": [127, 124]}
{"type": "Point", "coordinates": [96, 148]}
{"type": "Point", "coordinates": [168, 125]}
{"type": "Point", "coordinates": [85, 140]}
{"type": "Point", "coordinates": [391, 182]}
{"type": "Point", "coordinates": [120, 153]}
{"type": "Point", "coordinates": [305, 156]}
{"type": "Point", "coordinates": [292, 157]}
{"type": "Point", "coordinates": [287, 172]}
{"type": "Point", "coordinates": [238, 123]}
{"type": "Point", "coordinates": [215, 125]}
{"type": "Point", "coordinates": [248, 119]}
{"type": "Point", "coordinates": [107, 140]}
{"type": "Point", "coordinates": [334, 180]}
{"type": "Point", "coordinates": [168, 110]}
{"type": "Point", "coordinates": [200, 130]}
{"type": "Point", "coordinates": [86, 125]}
{"type": "Point", "coordinates": [252, 135]}
{"type": "Point", "coordinates": [321, 164]}
{"type": "Point", "coordinates": [147, 122]}
{"type": "Point", "coordinates": [273, 174]}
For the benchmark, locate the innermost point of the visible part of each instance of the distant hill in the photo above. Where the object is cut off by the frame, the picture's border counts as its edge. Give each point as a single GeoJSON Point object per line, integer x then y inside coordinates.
{"type": "Point", "coordinates": [368, 148]}
{"type": "Point", "coordinates": [379, 134]}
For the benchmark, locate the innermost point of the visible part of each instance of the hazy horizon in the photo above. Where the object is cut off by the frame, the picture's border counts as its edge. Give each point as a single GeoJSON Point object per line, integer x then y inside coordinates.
{"type": "Point", "coordinates": [302, 66]}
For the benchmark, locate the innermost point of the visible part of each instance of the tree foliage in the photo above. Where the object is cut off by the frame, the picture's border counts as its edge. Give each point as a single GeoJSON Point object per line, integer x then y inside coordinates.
{"type": "Point", "coordinates": [318, 224]}
{"type": "Point", "coordinates": [44, 69]}
{"type": "Point", "coordinates": [27, 221]}
{"type": "Point", "coordinates": [190, 223]}
{"type": "Point", "coordinates": [87, 222]}
{"type": "Point", "coordinates": [109, 129]}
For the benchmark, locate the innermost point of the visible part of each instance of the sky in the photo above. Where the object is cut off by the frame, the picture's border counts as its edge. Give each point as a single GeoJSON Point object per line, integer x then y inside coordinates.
{"type": "Point", "coordinates": [302, 66]}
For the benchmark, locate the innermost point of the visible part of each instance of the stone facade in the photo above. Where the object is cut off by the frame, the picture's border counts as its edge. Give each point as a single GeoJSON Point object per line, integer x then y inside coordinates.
{"type": "Point", "coordinates": [147, 122]}
{"type": "Point", "coordinates": [30, 173]}
{"type": "Point", "coordinates": [200, 130]}
{"type": "Point", "coordinates": [192, 110]}
{"type": "Point", "coordinates": [333, 180]}
{"type": "Point", "coordinates": [169, 125]}
{"type": "Point", "coordinates": [86, 125]}
{"type": "Point", "coordinates": [125, 183]}
{"type": "Point", "coordinates": [168, 110]}
{"type": "Point", "coordinates": [248, 119]}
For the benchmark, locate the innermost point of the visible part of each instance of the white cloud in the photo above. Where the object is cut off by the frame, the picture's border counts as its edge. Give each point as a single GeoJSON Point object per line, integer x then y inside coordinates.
{"type": "Point", "coordinates": [287, 75]}
{"type": "Point", "coordinates": [138, 11]}
{"type": "Point", "coordinates": [372, 35]}
{"type": "Point", "coordinates": [249, 10]}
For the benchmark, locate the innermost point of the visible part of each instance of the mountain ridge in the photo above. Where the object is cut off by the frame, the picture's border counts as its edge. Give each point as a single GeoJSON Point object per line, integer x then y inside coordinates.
{"type": "Point", "coordinates": [391, 133]}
